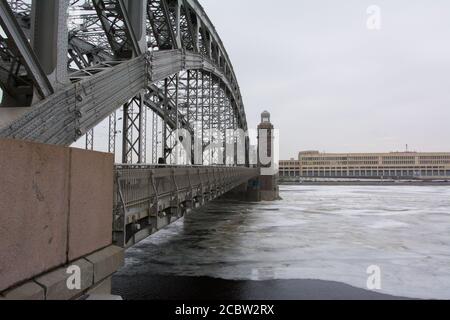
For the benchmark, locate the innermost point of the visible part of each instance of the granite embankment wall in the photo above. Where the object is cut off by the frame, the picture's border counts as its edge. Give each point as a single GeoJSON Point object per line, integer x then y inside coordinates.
{"type": "Point", "coordinates": [55, 210]}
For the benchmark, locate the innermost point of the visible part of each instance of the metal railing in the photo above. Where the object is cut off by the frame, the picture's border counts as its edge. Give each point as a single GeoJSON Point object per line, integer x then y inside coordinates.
{"type": "Point", "coordinates": [149, 197]}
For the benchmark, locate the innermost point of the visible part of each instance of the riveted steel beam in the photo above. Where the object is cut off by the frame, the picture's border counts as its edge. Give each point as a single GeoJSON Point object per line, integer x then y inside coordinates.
{"type": "Point", "coordinates": [113, 83]}
{"type": "Point", "coordinates": [159, 20]}
{"type": "Point", "coordinates": [119, 31]}
{"type": "Point", "coordinates": [49, 39]}
{"type": "Point", "coordinates": [19, 62]}
{"type": "Point", "coordinates": [133, 133]}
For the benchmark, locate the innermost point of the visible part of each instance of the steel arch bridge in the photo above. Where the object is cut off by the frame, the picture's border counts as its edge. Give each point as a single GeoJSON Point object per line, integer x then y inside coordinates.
{"type": "Point", "coordinates": [68, 65]}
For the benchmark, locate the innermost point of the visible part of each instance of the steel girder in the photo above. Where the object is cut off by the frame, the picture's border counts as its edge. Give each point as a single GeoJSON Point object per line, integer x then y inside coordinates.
{"type": "Point", "coordinates": [113, 83]}
{"type": "Point", "coordinates": [20, 70]}
{"type": "Point", "coordinates": [117, 26]}
{"type": "Point", "coordinates": [206, 111]}
{"type": "Point", "coordinates": [83, 53]}
{"type": "Point", "coordinates": [108, 70]}
{"type": "Point", "coordinates": [90, 139]}
{"type": "Point", "coordinates": [170, 88]}
{"type": "Point", "coordinates": [155, 138]}
{"type": "Point", "coordinates": [112, 132]}
{"type": "Point", "coordinates": [161, 29]}
{"type": "Point", "coordinates": [153, 97]}
{"type": "Point", "coordinates": [134, 130]}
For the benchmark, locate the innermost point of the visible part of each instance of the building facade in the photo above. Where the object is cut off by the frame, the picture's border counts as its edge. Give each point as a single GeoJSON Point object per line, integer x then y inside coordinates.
{"type": "Point", "coordinates": [396, 165]}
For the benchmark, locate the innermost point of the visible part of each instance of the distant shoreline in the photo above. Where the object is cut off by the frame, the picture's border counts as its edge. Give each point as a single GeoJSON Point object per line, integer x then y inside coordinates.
{"type": "Point", "coordinates": [366, 183]}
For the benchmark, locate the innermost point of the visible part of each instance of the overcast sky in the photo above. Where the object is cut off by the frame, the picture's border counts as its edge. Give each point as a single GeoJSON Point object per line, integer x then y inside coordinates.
{"type": "Point", "coordinates": [332, 84]}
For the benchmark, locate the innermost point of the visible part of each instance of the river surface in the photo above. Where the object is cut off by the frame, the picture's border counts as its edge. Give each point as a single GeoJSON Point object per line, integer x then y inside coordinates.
{"type": "Point", "coordinates": [327, 233]}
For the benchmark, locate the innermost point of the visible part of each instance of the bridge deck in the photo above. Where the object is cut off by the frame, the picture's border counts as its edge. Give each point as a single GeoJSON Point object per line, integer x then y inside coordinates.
{"type": "Point", "coordinates": [148, 198]}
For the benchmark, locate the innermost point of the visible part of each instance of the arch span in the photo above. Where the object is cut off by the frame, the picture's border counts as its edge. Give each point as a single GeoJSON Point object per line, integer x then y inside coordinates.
{"type": "Point", "coordinates": [164, 55]}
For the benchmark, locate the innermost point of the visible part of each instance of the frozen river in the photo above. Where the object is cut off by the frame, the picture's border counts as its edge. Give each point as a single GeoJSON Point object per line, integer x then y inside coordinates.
{"type": "Point", "coordinates": [326, 232]}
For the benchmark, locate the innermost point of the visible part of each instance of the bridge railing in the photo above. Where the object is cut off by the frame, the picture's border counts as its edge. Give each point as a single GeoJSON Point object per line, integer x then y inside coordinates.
{"type": "Point", "coordinates": [149, 197]}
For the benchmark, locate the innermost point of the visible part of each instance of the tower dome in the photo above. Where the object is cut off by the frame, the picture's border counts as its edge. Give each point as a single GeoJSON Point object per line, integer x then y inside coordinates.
{"type": "Point", "coordinates": [265, 117]}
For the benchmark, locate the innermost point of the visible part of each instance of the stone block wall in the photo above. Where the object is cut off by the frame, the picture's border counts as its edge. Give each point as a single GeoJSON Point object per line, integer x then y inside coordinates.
{"type": "Point", "coordinates": [55, 208]}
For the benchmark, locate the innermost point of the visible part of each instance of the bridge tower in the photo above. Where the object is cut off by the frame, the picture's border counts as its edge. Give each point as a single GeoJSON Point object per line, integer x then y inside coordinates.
{"type": "Point", "coordinates": [268, 179]}
{"type": "Point", "coordinates": [264, 187]}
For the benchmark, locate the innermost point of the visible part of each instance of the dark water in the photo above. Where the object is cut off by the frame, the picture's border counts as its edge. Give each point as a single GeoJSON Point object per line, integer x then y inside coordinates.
{"type": "Point", "coordinates": [232, 250]}
{"type": "Point", "coordinates": [158, 287]}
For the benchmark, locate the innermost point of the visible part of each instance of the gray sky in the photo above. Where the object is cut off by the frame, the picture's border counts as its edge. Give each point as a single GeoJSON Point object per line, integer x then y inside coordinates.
{"type": "Point", "coordinates": [330, 83]}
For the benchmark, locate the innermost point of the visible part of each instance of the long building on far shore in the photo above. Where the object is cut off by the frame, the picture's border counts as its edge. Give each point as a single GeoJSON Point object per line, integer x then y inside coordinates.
{"type": "Point", "coordinates": [395, 165]}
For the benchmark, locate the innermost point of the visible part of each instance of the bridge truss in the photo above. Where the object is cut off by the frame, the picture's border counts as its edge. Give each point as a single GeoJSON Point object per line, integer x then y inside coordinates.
{"type": "Point", "coordinates": [146, 68]}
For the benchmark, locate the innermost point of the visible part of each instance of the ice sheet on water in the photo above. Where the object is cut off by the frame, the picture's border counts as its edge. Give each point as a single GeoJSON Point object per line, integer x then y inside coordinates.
{"type": "Point", "coordinates": [328, 233]}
